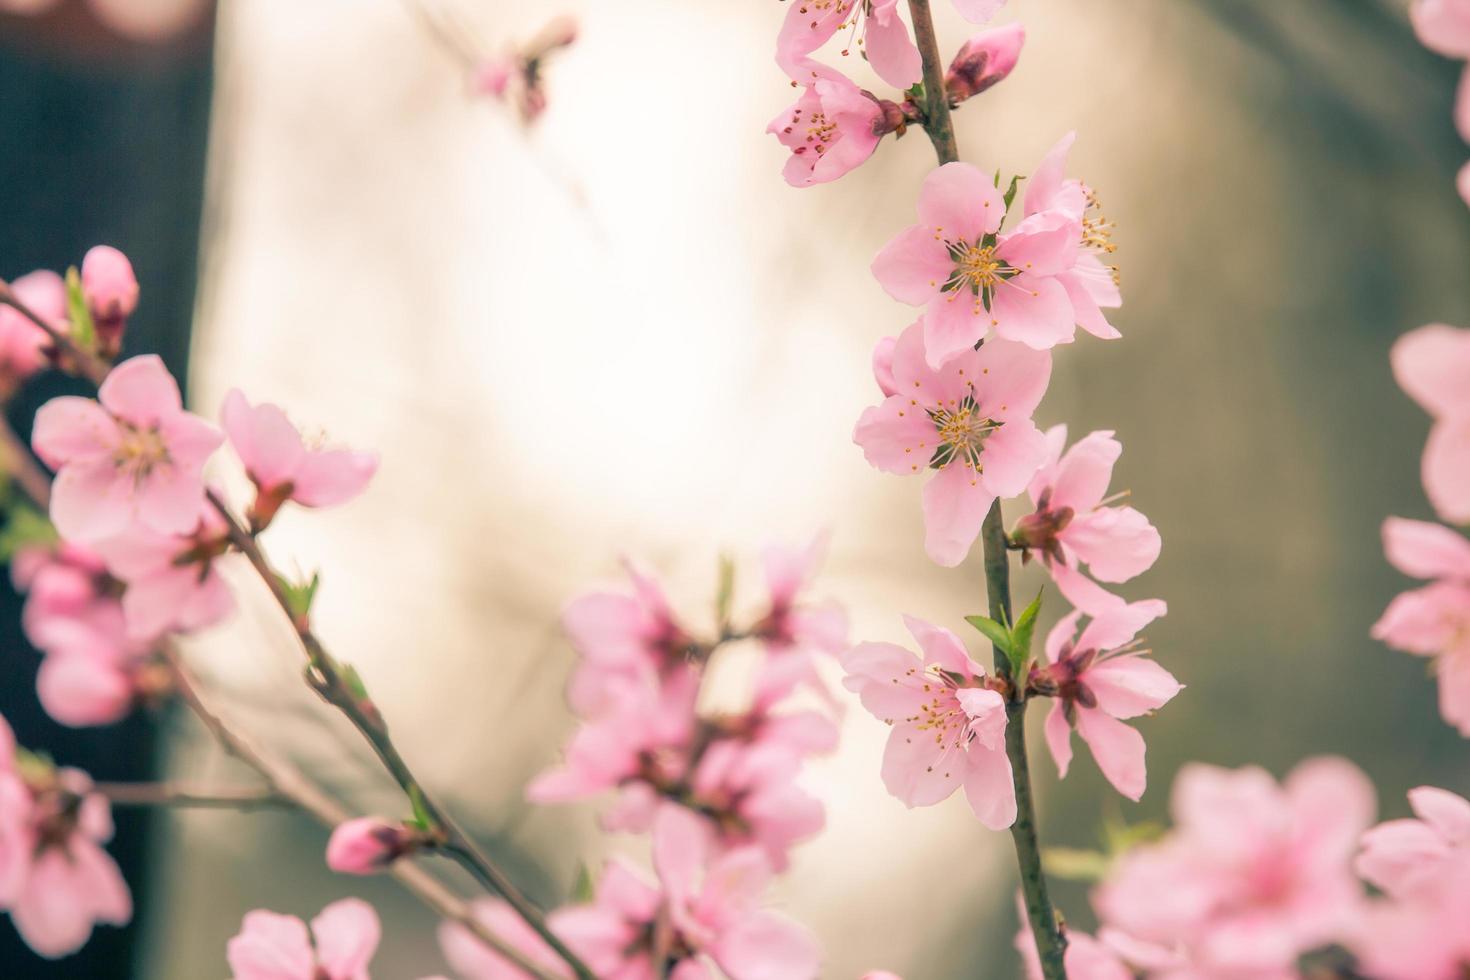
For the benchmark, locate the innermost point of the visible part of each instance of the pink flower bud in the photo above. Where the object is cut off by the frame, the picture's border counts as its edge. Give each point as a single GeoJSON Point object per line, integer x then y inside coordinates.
{"type": "Point", "coordinates": [368, 845]}
{"type": "Point", "coordinates": [492, 76]}
{"type": "Point", "coordinates": [112, 294]}
{"type": "Point", "coordinates": [984, 60]}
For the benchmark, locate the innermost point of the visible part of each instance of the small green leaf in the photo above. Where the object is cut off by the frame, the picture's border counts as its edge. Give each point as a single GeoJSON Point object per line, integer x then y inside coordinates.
{"type": "Point", "coordinates": [24, 527]}
{"type": "Point", "coordinates": [354, 683]}
{"type": "Point", "coordinates": [725, 591]}
{"type": "Point", "coordinates": [997, 634]}
{"type": "Point", "coordinates": [421, 818]}
{"type": "Point", "coordinates": [1075, 864]}
{"type": "Point", "coordinates": [1021, 635]}
{"type": "Point", "coordinates": [1010, 191]}
{"type": "Point", "coordinates": [83, 332]}
{"type": "Point", "coordinates": [300, 596]}
{"type": "Point", "coordinates": [584, 889]}
{"type": "Point", "coordinates": [1120, 837]}
{"type": "Point", "coordinates": [915, 93]}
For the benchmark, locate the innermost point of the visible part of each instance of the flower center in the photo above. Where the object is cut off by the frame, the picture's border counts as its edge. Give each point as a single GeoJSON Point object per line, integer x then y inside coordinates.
{"type": "Point", "coordinates": [1097, 231]}
{"type": "Point", "coordinates": [962, 434]}
{"type": "Point", "coordinates": [821, 132]}
{"type": "Point", "coordinates": [976, 268]}
{"type": "Point", "coordinates": [139, 450]}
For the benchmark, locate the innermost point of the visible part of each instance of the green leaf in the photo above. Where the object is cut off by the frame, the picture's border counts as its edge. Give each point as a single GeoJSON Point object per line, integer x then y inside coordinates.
{"type": "Point", "coordinates": [421, 817]}
{"type": "Point", "coordinates": [584, 889]}
{"type": "Point", "coordinates": [1120, 837]}
{"type": "Point", "coordinates": [1021, 634]}
{"type": "Point", "coordinates": [915, 93]}
{"type": "Point", "coordinates": [1074, 864]}
{"type": "Point", "coordinates": [300, 596]}
{"type": "Point", "coordinates": [725, 591]}
{"type": "Point", "coordinates": [354, 683]}
{"type": "Point", "coordinates": [24, 527]}
{"type": "Point", "coordinates": [1010, 191]}
{"type": "Point", "coordinates": [994, 632]}
{"type": "Point", "coordinates": [83, 331]}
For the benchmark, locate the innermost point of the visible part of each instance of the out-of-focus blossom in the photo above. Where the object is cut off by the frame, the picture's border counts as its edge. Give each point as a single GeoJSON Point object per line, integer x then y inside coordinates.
{"type": "Point", "coordinates": [471, 959]}
{"type": "Point", "coordinates": [56, 881]}
{"type": "Point", "coordinates": [111, 291]}
{"type": "Point", "coordinates": [517, 76]}
{"type": "Point", "coordinates": [1099, 679]}
{"type": "Point", "coordinates": [283, 466]}
{"type": "Point", "coordinates": [367, 845]}
{"type": "Point", "coordinates": [173, 584]}
{"type": "Point", "coordinates": [881, 32]}
{"type": "Point", "coordinates": [1432, 364]}
{"type": "Point", "coordinates": [1073, 524]}
{"type": "Point", "coordinates": [23, 345]}
{"type": "Point", "coordinates": [984, 60]}
{"type": "Point", "coordinates": [135, 459]}
{"type": "Point", "coordinates": [970, 421]}
{"type": "Point", "coordinates": [1432, 621]}
{"type": "Point", "coordinates": [1253, 875]}
{"type": "Point", "coordinates": [271, 946]}
{"type": "Point", "coordinates": [948, 725]}
{"type": "Point", "coordinates": [832, 128]}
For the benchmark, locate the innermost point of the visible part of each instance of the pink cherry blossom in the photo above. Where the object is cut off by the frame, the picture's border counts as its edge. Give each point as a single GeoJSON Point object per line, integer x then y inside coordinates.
{"type": "Point", "coordinates": [1098, 679]}
{"type": "Point", "coordinates": [1418, 857]}
{"type": "Point", "coordinates": [885, 39]}
{"type": "Point", "coordinates": [831, 129]}
{"type": "Point", "coordinates": [173, 584]}
{"type": "Point", "coordinates": [134, 459]}
{"type": "Point", "coordinates": [948, 725]}
{"type": "Point", "coordinates": [790, 622]}
{"type": "Point", "coordinates": [1432, 364]}
{"type": "Point", "coordinates": [111, 291]}
{"type": "Point", "coordinates": [883, 365]}
{"type": "Point", "coordinates": [970, 422]}
{"type": "Point", "coordinates": [1072, 524]}
{"type": "Point", "coordinates": [1434, 620]}
{"type": "Point", "coordinates": [283, 466]}
{"type": "Point", "coordinates": [471, 959]}
{"type": "Point", "coordinates": [367, 845]}
{"type": "Point", "coordinates": [1091, 285]}
{"type": "Point", "coordinates": [56, 881]}
{"type": "Point", "coordinates": [23, 345]}
{"type": "Point", "coordinates": [1252, 875]}
{"type": "Point", "coordinates": [271, 946]}
{"type": "Point", "coordinates": [983, 61]}
{"type": "Point", "coordinates": [969, 279]}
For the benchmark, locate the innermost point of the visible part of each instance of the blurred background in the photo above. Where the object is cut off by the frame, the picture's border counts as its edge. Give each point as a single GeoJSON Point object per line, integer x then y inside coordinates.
{"type": "Point", "coordinates": [623, 333]}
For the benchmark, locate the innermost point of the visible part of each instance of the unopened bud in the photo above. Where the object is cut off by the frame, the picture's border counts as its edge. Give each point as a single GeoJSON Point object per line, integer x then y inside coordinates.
{"type": "Point", "coordinates": [984, 60]}
{"type": "Point", "coordinates": [367, 845]}
{"type": "Point", "coordinates": [112, 294]}
{"type": "Point", "coordinates": [891, 117]}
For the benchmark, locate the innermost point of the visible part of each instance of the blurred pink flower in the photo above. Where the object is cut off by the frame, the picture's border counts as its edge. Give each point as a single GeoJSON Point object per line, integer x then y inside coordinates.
{"type": "Point", "coordinates": [831, 129]}
{"type": "Point", "coordinates": [968, 279]}
{"type": "Point", "coordinates": [271, 946]}
{"type": "Point", "coordinates": [173, 584]}
{"type": "Point", "coordinates": [970, 421]}
{"type": "Point", "coordinates": [883, 35]}
{"type": "Point", "coordinates": [1253, 875]}
{"type": "Point", "coordinates": [471, 959]}
{"type": "Point", "coordinates": [1072, 524]}
{"type": "Point", "coordinates": [1443, 25]}
{"type": "Point", "coordinates": [136, 459]}
{"type": "Point", "coordinates": [22, 343]}
{"type": "Point", "coordinates": [1099, 679]}
{"type": "Point", "coordinates": [1432, 364]}
{"type": "Point", "coordinates": [983, 61]}
{"type": "Point", "coordinates": [948, 726]}
{"type": "Point", "coordinates": [1417, 857]}
{"type": "Point", "coordinates": [111, 291]}
{"type": "Point", "coordinates": [283, 466]}
{"type": "Point", "coordinates": [367, 845]}
{"type": "Point", "coordinates": [1432, 621]}
{"type": "Point", "coordinates": [883, 365]}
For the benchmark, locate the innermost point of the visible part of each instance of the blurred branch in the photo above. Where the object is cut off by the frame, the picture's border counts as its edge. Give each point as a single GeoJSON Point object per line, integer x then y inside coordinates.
{"type": "Point", "coordinates": [189, 797]}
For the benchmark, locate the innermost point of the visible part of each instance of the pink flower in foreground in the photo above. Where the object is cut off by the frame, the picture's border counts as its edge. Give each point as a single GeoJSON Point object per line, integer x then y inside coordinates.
{"type": "Point", "coordinates": [23, 345]}
{"type": "Point", "coordinates": [1099, 679]}
{"type": "Point", "coordinates": [1417, 932]}
{"type": "Point", "coordinates": [831, 129]}
{"type": "Point", "coordinates": [969, 279]}
{"type": "Point", "coordinates": [134, 459]}
{"type": "Point", "coordinates": [1072, 524]}
{"type": "Point", "coordinates": [172, 582]}
{"type": "Point", "coordinates": [983, 61]}
{"type": "Point", "coordinates": [1432, 621]}
{"type": "Point", "coordinates": [56, 881]}
{"type": "Point", "coordinates": [970, 422]}
{"type": "Point", "coordinates": [283, 466]}
{"type": "Point", "coordinates": [1252, 875]}
{"type": "Point", "coordinates": [1432, 364]}
{"type": "Point", "coordinates": [948, 726]}
{"type": "Point", "coordinates": [271, 946]}
{"type": "Point", "coordinates": [112, 294]}
{"type": "Point", "coordinates": [885, 39]}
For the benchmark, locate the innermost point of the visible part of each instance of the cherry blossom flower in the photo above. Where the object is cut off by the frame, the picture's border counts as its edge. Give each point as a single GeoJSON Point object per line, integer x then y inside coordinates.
{"type": "Point", "coordinates": [1432, 364]}
{"type": "Point", "coordinates": [1434, 620]}
{"type": "Point", "coordinates": [471, 959]}
{"type": "Point", "coordinates": [135, 459]}
{"type": "Point", "coordinates": [173, 584]}
{"type": "Point", "coordinates": [983, 61]}
{"type": "Point", "coordinates": [970, 422]}
{"type": "Point", "coordinates": [1099, 679]}
{"type": "Point", "coordinates": [1073, 524]}
{"type": "Point", "coordinates": [790, 622]}
{"type": "Point", "coordinates": [56, 881]}
{"type": "Point", "coordinates": [23, 345]}
{"type": "Point", "coordinates": [1090, 284]}
{"type": "Point", "coordinates": [971, 280]}
{"type": "Point", "coordinates": [271, 946]}
{"type": "Point", "coordinates": [283, 466]}
{"type": "Point", "coordinates": [1253, 874]}
{"type": "Point", "coordinates": [1416, 857]}
{"type": "Point", "coordinates": [881, 32]}
{"type": "Point", "coordinates": [948, 725]}
{"type": "Point", "coordinates": [832, 128]}
{"type": "Point", "coordinates": [111, 291]}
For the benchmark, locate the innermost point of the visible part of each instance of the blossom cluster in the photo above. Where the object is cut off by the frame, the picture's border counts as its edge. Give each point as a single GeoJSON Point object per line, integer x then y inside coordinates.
{"type": "Point", "coordinates": [1444, 26]}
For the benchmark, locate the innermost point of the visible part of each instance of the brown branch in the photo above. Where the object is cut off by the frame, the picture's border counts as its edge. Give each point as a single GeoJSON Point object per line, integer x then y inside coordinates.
{"type": "Point", "coordinates": [190, 797]}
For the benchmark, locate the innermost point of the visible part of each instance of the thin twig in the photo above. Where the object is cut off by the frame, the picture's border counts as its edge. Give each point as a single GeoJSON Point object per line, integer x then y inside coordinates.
{"type": "Point", "coordinates": [1051, 945]}
{"type": "Point", "coordinates": [190, 797]}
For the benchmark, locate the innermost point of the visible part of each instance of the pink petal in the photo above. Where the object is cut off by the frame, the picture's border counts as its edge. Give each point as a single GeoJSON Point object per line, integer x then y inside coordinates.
{"type": "Point", "coordinates": [628, 892]}
{"type": "Point", "coordinates": [190, 439]}
{"type": "Point", "coordinates": [914, 377]}
{"type": "Point", "coordinates": [788, 569]}
{"type": "Point", "coordinates": [1033, 310]}
{"type": "Point", "coordinates": [266, 441]}
{"type": "Point", "coordinates": [1058, 734]}
{"type": "Point", "coordinates": [883, 365]}
{"type": "Point", "coordinates": [1086, 309]}
{"type": "Point", "coordinates": [913, 266]}
{"type": "Point", "coordinates": [959, 202]}
{"type": "Point", "coordinates": [1014, 379]}
{"type": "Point", "coordinates": [941, 647]}
{"type": "Point", "coordinates": [71, 428]}
{"type": "Point", "coordinates": [887, 678]}
{"type": "Point", "coordinates": [767, 946]}
{"type": "Point", "coordinates": [1333, 803]}
{"type": "Point", "coordinates": [1446, 468]}
{"type": "Point", "coordinates": [1443, 25]}
{"type": "Point", "coordinates": [90, 501]}
{"type": "Point", "coordinates": [1119, 622]}
{"type": "Point", "coordinates": [989, 787]}
{"type": "Point", "coordinates": [1426, 550]}
{"type": "Point", "coordinates": [890, 52]}
{"type": "Point", "coordinates": [1043, 245]}
{"type": "Point", "coordinates": [1116, 543]}
{"type": "Point", "coordinates": [271, 947]}
{"type": "Point", "coordinates": [1012, 455]}
{"type": "Point", "coordinates": [918, 770]}
{"type": "Point", "coordinates": [1453, 673]}
{"type": "Point", "coordinates": [1425, 621]}
{"type": "Point", "coordinates": [1402, 857]}
{"type": "Point", "coordinates": [472, 959]}
{"type": "Point", "coordinates": [955, 504]}
{"type": "Point", "coordinates": [141, 391]}
{"type": "Point", "coordinates": [1084, 471]}
{"type": "Point", "coordinates": [1127, 687]}
{"type": "Point", "coordinates": [347, 934]}
{"type": "Point", "coordinates": [954, 322]}
{"type": "Point", "coordinates": [1045, 188]}
{"type": "Point", "coordinates": [328, 477]}
{"type": "Point", "coordinates": [53, 911]}
{"type": "Point", "coordinates": [1431, 365]}
{"type": "Point", "coordinates": [1117, 748]}
{"type": "Point", "coordinates": [1080, 590]}
{"type": "Point", "coordinates": [1057, 637]}
{"type": "Point", "coordinates": [897, 436]}
{"type": "Point", "coordinates": [681, 845]}
{"type": "Point", "coordinates": [81, 691]}
{"type": "Point", "coordinates": [1446, 812]}
{"type": "Point", "coordinates": [169, 498]}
